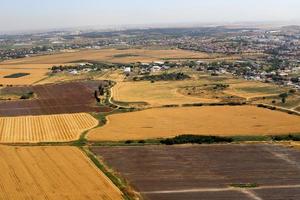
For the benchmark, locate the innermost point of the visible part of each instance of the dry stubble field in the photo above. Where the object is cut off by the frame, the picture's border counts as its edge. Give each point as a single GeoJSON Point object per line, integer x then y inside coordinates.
{"type": "Point", "coordinates": [38, 66]}
{"type": "Point", "coordinates": [156, 94]}
{"type": "Point", "coordinates": [175, 92]}
{"type": "Point", "coordinates": [45, 128]}
{"type": "Point", "coordinates": [113, 56]}
{"type": "Point", "coordinates": [210, 120]}
{"type": "Point", "coordinates": [51, 173]}
{"type": "Point", "coordinates": [36, 73]}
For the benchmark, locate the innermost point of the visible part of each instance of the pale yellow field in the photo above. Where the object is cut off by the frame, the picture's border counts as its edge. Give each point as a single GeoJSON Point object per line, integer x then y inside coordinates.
{"type": "Point", "coordinates": [156, 94]}
{"type": "Point", "coordinates": [253, 89]}
{"type": "Point", "coordinates": [37, 72]}
{"type": "Point", "coordinates": [211, 120]}
{"type": "Point", "coordinates": [46, 128]}
{"type": "Point", "coordinates": [51, 173]}
{"type": "Point", "coordinates": [114, 75]}
{"type": "Point", "coordinates": [113, 55]}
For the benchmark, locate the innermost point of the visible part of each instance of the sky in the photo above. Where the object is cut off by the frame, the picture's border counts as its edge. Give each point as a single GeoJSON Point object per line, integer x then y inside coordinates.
{"type": "Point", "coordinates": [17, 15]}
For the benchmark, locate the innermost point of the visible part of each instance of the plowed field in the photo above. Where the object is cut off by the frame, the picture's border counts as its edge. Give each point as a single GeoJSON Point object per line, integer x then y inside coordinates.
{"type": "Point", "coordinates": [71, 97]}
{"type": "Point", "coordinates": [208, 172]}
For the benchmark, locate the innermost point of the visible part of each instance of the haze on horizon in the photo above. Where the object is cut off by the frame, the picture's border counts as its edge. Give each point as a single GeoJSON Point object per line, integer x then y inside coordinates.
{"type": "Point", "coordinates": [17, 15]}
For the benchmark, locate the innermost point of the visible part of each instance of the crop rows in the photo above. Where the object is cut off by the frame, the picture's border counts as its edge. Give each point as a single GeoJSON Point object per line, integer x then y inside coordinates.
{"type": "Point", "coordinates": [47, 128]}
{"type": "Point", "coordinates": [51, 173]}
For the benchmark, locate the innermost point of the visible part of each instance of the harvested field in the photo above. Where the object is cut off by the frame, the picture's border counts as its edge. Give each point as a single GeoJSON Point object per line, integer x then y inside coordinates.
{"type": "Point", "coordinates": [208, 171]}
{"type": "Point", "coordinates": [113, 56]}
{"type": "Point", "coordinates": [35, 74]}
{"type": "Point", "coordinates": [156, 94]}
{"type": "Point", "coordinates": [51, 173]}
{"type": "Point", "coordinates": [49, 128]}
{"type": "Point", "coordinates": [254, 89]}
{"type": "Point", "coordinates": [206, 120]}
{"type": "Point", "coordinates": [71, 97]}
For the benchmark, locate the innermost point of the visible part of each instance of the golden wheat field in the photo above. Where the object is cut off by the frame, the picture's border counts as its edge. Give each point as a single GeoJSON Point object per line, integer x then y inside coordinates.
{"type": "Point", "coordinates": [210, 120]}
{"type": "Point", "coordinates": [37, 72]}
{"type": "Point", "coordinates": [51, 173]}
{"type": "Point", "coordinates": [156, 94]}
{"type": "Point", "coordinates": [46, 128]}
{"type": "Point", "coordinates": [113, 56]}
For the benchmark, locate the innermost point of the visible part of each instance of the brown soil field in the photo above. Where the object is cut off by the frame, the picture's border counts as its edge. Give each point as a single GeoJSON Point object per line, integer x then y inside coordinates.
{"type": "Point", "coordinates": [45, 128]}
{"type": "Point", "coordinates": [156, 94]}
{"type": "Point", "coordinates": [206, 120]}
{"type": "Point", "coordinates": [227, 195]}
{"type": "Point", "coordinates": [69, 97]}
{"type": "Point", "coordinates": [113, 56]}
{"type": "Point", "coordinates": [207, 171]}
{"type": "Point", "coordinates": [51, 173]}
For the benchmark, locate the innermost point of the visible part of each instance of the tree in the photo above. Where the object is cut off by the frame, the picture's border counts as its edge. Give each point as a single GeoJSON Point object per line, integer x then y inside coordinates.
{"type": "Point", "coordinates": [96, 96]}
{"type": "Point", "coordinates": [101, 90]}
{"type": "Point", "coordinates": [283, 97]}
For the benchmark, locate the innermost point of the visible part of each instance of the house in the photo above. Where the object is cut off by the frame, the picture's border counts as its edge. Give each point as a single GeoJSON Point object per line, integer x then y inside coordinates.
{"type": "Point", "coordinates": [74, 72]}
{"type": "Point", "coordinates": [127, 70]}
{"type": "Point", "coordinates": [155, 68]}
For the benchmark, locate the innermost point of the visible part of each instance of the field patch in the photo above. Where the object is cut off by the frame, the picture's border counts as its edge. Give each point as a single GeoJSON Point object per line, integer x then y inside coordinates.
{"type": "Point", "coordinates": [48, 128]}
{"type": "Point", "coordinates": [208, 171]}
{"type": "Point", "coordinates": [70, 97]}
{"type": "Point", "coordinates": [51, 173]}
{"type": "Point", "coordinates": [254, 89]}
{"type": "Point", "coordinates": [114, 56]}
{"type": "Point", "coordinates": [206, 120]}
{"type": "Point", "coordinates": [156, 94]}
{"type": "Point", "coordinates": [21, 75]}
{"type": "Point", "coordinates": [17, 75]}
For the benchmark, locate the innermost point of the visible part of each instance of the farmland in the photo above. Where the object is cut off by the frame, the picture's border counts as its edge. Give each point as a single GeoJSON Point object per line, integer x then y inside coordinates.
{"type": "Point", "coordinates": [35, 74]}
{"type": "Point", "coordinates": [208, 171]}
{"type": "Point", "coordinates": [114, 56]}
{"type": "Point", "coordinates": [45, 128]}
{"type": "Point", "coordinates": [51, 173]}
{"type": "Point", "coordinates": [69, 97]}
{"type": "Point", "coordinates": [155, 94]}
{"type": "Point", "coordinates": [206, 120]}
{"type": "Point", "coordinates": [201, 88]}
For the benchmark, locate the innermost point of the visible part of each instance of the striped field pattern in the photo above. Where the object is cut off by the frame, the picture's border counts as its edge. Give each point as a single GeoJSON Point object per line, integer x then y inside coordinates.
{"type": "Point", "coordinates": [45, 128]}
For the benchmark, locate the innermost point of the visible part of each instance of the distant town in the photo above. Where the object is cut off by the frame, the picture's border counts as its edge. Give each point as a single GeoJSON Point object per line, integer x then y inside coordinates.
{"type": "Point", "coordinates": [267, 55]}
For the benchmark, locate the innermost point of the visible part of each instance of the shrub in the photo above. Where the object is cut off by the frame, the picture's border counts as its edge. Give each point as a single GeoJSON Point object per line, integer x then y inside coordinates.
{"type": "Point", "coordinates": [289, 137]}
{"type": "Point", "coordinates": [128, 142]}
{"type": "Point", "coordinates": [195, 139]}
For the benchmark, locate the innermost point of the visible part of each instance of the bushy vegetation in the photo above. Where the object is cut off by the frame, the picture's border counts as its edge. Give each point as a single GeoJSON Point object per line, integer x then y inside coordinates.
{"type": "Point", "coordinates": [244, 185]}
{"type": "Point", "coordinates": [289, 137]}
{"type": "Point", "coordinates": [163, 77]}
{"type": "Point", "coordinates": [195, 139]}
{"type": "Point", "coordinates": [28, 95]}
{"type": "Point", "coordinates": [17, 75]}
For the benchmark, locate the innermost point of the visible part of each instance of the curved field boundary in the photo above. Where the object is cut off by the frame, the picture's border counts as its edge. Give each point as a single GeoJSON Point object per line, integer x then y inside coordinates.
{"type": "Point", "coordinates": [47, 128]}
{"type": "Point", "coordinates": [206, 120]}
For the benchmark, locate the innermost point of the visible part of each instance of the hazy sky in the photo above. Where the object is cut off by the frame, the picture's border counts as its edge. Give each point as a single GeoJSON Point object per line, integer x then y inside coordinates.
{"type": "Point", "coordinates": [44, 14]}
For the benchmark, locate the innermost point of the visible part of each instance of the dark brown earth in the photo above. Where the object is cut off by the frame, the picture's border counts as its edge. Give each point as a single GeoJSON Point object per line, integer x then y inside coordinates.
{"type": "Point", "coordinates": [71, 97]}
{"type": "Point", "coordinates": [190, 172]}
{"type": "Point", "coordinates": [230, 195]}
{"type": "Point", "coordinates": [279, 194]}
